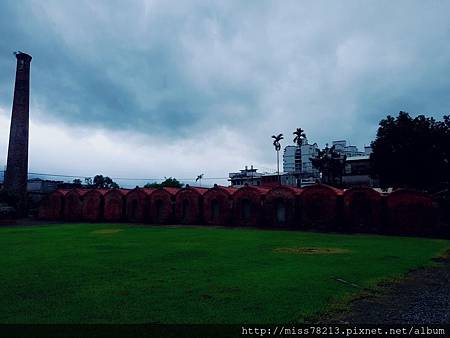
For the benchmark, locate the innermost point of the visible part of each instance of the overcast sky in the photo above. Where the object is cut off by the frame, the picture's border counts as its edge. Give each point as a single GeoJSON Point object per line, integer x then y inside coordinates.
{"type": "Point", "coordinates": [179, 88]}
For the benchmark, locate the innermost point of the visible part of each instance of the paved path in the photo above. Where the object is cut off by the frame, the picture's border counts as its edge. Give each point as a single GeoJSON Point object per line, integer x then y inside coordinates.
{"type": "Point", "coordinates": [423, 297]}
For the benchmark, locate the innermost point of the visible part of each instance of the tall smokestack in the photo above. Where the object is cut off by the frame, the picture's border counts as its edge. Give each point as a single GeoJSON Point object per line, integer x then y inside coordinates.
{"type": "Point", "coordinates": [17, 165]}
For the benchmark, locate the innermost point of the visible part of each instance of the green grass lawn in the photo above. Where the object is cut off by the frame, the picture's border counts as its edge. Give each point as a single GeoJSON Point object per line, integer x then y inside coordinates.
{"type": "Point", "coordinates": [108, 273]}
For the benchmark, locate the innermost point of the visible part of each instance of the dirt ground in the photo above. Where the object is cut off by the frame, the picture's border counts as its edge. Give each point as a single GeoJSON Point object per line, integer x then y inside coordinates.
{"type": "Point", "coordinates": [423, 297]}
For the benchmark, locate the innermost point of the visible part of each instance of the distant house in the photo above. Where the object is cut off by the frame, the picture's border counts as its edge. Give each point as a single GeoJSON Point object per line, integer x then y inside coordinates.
{"type": "Point", "coordinates": [253, 178]}
{"type": "Point", "coordinates": [37, 185]}
{"type": "Point", "coordinates": [245, 177]}
{"type": "Point", "coordinates": [357, 172]}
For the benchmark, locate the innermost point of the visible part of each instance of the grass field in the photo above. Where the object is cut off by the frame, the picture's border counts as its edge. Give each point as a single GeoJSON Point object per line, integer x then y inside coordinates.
{"type": "Point", "coordinates": [107, 273]}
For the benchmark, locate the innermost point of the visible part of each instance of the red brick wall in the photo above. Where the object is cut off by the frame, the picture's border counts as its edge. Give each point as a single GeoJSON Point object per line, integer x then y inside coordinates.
{"type": "Point", "coordinates": [73, 205]}
{"type": "Point", "coordinates": [92, 206]}
{"type": "Point", "coordinates": [114, 208]}
{"type": "Point", "coordinates": [362, 210]}
{"type": "Point", "coordinates": [280, 206]}
{"type": "Point", "coordinates": [161, 205]}
{"type": "Point", "coordinates": [188, 205]}
{"type": "Point", "coordinates": [319, 207]}
{"type": "Point", "coordinates": [51, 207]}
{"type": "Point", "coordinates": [410, 212]}
{"type": "Point", "coordinates": [247, 206]}
{"type": "Point", "coordinates": [217, 206]}
{"type": "Point", "coordinates": [137, 205]}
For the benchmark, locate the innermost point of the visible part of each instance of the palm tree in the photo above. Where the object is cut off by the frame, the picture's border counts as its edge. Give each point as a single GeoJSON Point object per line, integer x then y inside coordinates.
{"type": "Point", "coordinates": [299, 136]}
{"type": "Point", "coordinates": [277, 145]}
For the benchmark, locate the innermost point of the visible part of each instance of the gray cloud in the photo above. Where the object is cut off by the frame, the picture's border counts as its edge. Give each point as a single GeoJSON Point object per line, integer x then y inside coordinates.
{"type": "Point", "coordinates": [175, 69]}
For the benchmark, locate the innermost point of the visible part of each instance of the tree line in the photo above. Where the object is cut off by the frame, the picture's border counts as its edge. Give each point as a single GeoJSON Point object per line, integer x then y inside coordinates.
{"type": "Point", "coordinates": [105, 182]}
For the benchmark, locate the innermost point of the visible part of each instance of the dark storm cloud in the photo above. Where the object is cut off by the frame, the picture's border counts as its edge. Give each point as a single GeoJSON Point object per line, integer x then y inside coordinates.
{"type": "Point", "coordinates": [180, 68]}
{"type": "Point", "coordinates": [88, 71]}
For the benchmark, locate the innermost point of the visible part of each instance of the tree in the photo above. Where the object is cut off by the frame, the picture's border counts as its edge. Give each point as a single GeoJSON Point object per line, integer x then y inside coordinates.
{"type": "Point", "coordinates": [88, 181]}
{"type": "Point", "coordinates": [277, 145]}
{"type": "Point", "coordinates": [412, 152]}
{"type": "Point", "coordinates": [299, 136]}
{"type": "Point", "coordinates": [168, 182]}
{"type": "Point", "coordinates": [104, 182]}
{"type": "Point", "coordinates": [299, 139]}
{"type": "Point", "coordinates": [331, 164]}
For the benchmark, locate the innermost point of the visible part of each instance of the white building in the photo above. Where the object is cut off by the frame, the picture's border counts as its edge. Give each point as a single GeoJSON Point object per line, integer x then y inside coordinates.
{"type": "Point", "coordinates": [309, 151]}
{"type": "Point", "coordinates": [289, 159]}
{"type": "Point", "coordinates": [297, 161]}
{"type": "Point", "coordinates": [349, 150]}
{"type": "Point", "coordinates": [245, 176]}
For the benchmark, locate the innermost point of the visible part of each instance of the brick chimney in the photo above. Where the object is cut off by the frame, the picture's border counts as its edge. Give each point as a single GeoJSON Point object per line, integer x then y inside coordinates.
{"type": "Point", "coordinates": [17, 165]}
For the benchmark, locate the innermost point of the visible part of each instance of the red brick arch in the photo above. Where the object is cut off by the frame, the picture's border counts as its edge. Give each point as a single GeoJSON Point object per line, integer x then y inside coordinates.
{"type": "Point", "coordinates": [410, 212]}
{"type": "Point", "coordinates": [137, 205]}
{"type": "Point", "coordinates": [161, 205]}
{"type": "Point", "coordinates": [188, 205]}
{"type": "Point", "coordinates": [93, 202]}
{"type": "Point", "coordinates": [362, 210]}
{"type": "Point", "coordinates": [247, 206]}
{"type": "Point", "coordinates": [218, 205]}
{"type": "Point", "coordinates": [52, 206]}
{"type": "Point", "coordinates": [280, 206]}
{"type": "Point", "coordinates": [319, 206]}
{"type": "Point", "coordinates": [114, 205]}
{"type": "Point", "coordinates": [73, 205]}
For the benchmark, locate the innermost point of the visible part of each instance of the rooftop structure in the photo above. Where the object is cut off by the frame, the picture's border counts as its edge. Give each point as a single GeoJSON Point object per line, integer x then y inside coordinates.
{"type": "Point", "coordinates": [350, 150]}
{"type": "Point", "coordinates": [245, 176]}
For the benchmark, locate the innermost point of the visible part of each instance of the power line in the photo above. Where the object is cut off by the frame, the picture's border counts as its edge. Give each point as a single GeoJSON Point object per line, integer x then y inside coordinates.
{"type": "Point", "coordinates": [126, 178]}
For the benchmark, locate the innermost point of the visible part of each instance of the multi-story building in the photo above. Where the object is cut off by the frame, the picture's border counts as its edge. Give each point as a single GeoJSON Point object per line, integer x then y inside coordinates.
{"type": "Point", "coordinates": [308, 151]}
{"type": "Point", "coordinates": [289, 159]}
{"type": "Point", "coordinates": [297, 161]}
